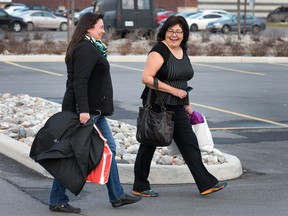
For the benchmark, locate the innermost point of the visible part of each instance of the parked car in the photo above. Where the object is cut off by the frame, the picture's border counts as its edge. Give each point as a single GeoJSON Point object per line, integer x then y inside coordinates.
{"type": "Point", "coordinates": [126, 16]}
{"type": "Point", "coordinates": [280, 14]}
{"type": "Point", "coordinates": [199, 21]}
{"type": "Point", "coordinates": [9, 22]}
{"type": "Point", "coordinates": [229, 23]}
{"type": "Point", "coordinates": [183, 14]}
{"type": "Point", "coordinates": [10, 9]}
{"type": "Point", "coordinates": [164, 15]}
{"type": "Point", "coordinates": [21, 10]}
{"type": "Point", "coordinates": [44, 20]}
{"type": "Point", "coordinates": [77, 16]}
{"type": "Point", "coordinates": [224, 12]}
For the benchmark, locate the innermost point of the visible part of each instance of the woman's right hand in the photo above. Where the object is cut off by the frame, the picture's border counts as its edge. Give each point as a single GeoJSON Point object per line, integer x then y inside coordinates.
{"type": "Point", "coordinates": [84, 117]}
{"type": "Point", "coordinates": [179, 93]}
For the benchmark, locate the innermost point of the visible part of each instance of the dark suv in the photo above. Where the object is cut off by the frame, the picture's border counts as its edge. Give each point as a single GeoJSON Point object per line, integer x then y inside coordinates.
{"type": "Point", "coordinates": [12, 23]}
{"type": "Point", "coordinates": [280, 14]}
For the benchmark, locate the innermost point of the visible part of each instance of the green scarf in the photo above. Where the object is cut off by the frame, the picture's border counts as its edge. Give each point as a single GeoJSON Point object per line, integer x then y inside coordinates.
{"type": "Point", "coordinates": [98, 44]}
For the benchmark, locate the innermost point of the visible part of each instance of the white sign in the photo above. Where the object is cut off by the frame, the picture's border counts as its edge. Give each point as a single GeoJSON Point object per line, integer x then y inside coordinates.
{"type": "Point", "coordinates": [129, 23]}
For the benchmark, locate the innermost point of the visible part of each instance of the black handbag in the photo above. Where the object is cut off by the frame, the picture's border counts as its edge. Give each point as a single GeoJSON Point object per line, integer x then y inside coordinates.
{"type": "Point", "coordinates": [154, 128]}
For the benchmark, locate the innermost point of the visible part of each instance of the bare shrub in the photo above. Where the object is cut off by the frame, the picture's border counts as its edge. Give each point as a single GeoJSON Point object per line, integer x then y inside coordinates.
{"type": "Point", "coordinates": [26, 38]}
{"type": "Point", "coordinates": [258, 49]}
{"type": "Point", "coordinates": [228, 39]}
{"type": "Point", "coordinates": [37, 35]}
{"type": "Point", "coordinates": [138, 34]}
{"type": "Point", "coordinates": [281, 49]}
{"type": "Point", "coordinates": [271, 37]}
{"type": "Point", "coordinates": [2, 46]}
{"type": "Point", "coordinates": [50, 47]}
{"type": "Point", "coordinates": [256, 37]}
{"type": "Point", "coordinates": [205, 35]}
{"type": "Point", "coordinates": [109, 35]}
{"type": "Point", "coordinates": [215, 49]}
{"type": "Point", "coordinates": [236, 49]}
{"type": "Point", "coordinates": [140, 48]}
{"type": "Point", "coordinates": [17, 47]}
{"type": "Point", "coordinates": [194, 50]}
{"type": "Point", "coordinates": [8, 35]}
{"type": "Point", "coordinates": [125, 47]}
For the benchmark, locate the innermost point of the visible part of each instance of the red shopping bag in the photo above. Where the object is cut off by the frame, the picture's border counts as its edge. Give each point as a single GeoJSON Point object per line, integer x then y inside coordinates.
{"type": "Point", "coordinates": [100, 174]}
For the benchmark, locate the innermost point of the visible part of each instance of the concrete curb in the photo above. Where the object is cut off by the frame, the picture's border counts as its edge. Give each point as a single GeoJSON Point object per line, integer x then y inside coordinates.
{"type": "Point", "coordinates": [142, 58]}
{"type": "Point", "coordinates": [160, 174]}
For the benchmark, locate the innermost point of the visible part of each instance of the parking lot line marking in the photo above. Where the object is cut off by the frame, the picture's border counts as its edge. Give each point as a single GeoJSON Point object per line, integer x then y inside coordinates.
{"type": "Point", "coordinates": [230, 69]}
{"type": "Point", "coordinates": [35, 69]}
{"type": "Point", "coordinates": [285, 65]}
{"type": "Point", "coordinates": [130, 68]}
{"type": "Point", "coordinates": [245, 128]}
{"type": "Point", "coordinates": [242, 115]}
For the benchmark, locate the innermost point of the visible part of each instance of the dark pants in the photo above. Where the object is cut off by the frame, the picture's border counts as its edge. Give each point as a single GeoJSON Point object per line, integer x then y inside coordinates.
{"type": "Point", "coordinates": [187, 143]}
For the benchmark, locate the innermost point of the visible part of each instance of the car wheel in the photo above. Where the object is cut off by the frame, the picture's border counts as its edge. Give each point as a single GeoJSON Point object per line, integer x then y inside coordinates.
{"type": "Point", "coordinates": [225, 29]}
{"type": "Point", "coordinates": [63, 27]}
{"type": "Point", "coordinates": [269, 18]}
{"type": "Point", "coordinates": [16, 27]}
{"type": "Point", "coordinates": [30, 26]}
{"type": "Point", "coordinates": [255, 29]}
{"type": "Point", "coordinates": [194, 27]}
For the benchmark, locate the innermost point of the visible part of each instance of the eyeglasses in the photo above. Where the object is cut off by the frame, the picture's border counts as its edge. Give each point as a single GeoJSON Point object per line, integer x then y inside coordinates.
{"type": "Point", "coordinates": [177, 32]}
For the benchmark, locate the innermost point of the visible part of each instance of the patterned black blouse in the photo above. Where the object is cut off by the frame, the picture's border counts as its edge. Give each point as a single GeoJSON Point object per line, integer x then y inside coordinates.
{"type": "Point", "coordinates": [174, 72]}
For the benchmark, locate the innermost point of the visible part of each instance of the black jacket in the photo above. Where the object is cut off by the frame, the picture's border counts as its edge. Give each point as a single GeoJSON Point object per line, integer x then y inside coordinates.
{"type": "Point", "coordinates": [89, 84]}
{"type": "Point", "coordinates": [68, 150]}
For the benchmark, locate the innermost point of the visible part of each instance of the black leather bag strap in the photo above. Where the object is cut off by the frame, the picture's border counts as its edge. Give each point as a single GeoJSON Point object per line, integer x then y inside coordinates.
{"type": "Point", "coordinates": [148, 101]}
{"type": "Point", "coordinates": [155, 82]}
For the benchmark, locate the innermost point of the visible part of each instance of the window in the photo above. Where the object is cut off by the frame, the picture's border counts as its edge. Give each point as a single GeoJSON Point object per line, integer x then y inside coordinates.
{"type": "Point", "coordinates": [211, 16]}
{"type": "Point", "coordinates": [128, 4]}
{"type": "Point", "coordinates": [143, 4]}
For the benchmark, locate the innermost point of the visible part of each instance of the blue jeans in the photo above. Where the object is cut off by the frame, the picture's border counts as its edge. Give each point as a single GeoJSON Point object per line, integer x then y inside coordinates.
{"type": "Point", "coordinates": [115, 189]}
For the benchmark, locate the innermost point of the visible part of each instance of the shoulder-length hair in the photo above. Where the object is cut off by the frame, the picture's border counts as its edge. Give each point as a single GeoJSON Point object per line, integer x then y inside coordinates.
{"type": "Point", "coordinates": [86, 22]}
{"type": "Point", "coordinates": [172, 21]}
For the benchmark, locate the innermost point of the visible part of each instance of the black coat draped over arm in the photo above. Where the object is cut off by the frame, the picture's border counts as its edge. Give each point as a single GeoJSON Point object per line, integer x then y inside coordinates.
{"type": "Point", "coordinates": [68, 150]}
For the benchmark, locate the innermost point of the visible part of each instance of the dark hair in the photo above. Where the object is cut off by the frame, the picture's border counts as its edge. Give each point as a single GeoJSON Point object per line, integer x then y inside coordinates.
{"type": "Point", "coordinates": [172, 21]}
{"type": "Point", "coordinates": [86, 22]}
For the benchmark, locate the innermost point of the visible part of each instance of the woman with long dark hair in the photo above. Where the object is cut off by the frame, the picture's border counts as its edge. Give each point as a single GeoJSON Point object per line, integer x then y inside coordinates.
{"type": "Point", "coordinates": [168, 61]}
{"type": "Point", "coordinates": [89, 93]}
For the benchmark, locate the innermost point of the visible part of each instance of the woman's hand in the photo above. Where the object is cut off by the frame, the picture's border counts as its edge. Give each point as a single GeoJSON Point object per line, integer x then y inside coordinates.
{"type": "Point", "coordinates": [179, 93]}
{"type": "Point", "coordinates": [188, 109]}
{"type": "Point", "coordinates": [84, 117]}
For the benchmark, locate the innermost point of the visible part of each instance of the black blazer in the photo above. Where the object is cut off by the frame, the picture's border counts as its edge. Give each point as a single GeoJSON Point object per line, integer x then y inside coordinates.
{"type": "Point", "coordinates": [68, 150]}
{"type": "Point", "coordinates": [89, 85]}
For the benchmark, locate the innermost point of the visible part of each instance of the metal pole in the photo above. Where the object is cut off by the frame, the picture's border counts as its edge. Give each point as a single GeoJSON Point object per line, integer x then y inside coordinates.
{"type": "Point", "coordinates": [68, 21]}
{"type": "Point", "coordinates": [245, 12]}
{"type": "Point", "coordinates": [238, 19]}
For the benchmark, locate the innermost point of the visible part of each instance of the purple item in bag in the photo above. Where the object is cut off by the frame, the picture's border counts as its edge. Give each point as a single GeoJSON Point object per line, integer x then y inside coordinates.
{"type": "Point", "coordinates": [196, 118]}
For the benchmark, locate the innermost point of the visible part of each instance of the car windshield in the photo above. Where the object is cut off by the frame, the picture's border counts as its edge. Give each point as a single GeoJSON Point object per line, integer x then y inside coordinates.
{"type": "Point", "coordinates": [194, 16]}
{"type": "Point", "coordinates": [186, 14]}
{"type": "Point", "coordinates": [227, 16]}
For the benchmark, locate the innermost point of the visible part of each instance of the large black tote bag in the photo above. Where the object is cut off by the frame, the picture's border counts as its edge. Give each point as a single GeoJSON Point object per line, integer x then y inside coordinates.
{"type": "Point", "coordinates": [154, 128]}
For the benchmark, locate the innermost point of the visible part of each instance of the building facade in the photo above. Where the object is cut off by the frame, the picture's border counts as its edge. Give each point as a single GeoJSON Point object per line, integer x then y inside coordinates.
{"type": "Point", "coordinates": [260, 8]}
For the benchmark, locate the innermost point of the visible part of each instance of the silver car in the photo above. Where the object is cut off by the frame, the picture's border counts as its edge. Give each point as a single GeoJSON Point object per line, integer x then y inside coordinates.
{"type": "Point", "coordinates": [229, 23]}
{"type": "Point", "coordinates": [43, 20]}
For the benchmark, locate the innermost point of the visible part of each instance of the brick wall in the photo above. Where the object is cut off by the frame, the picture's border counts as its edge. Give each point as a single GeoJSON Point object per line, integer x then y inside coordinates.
{"type": "Point", "coordinates": [176, 5]}
{"type": "Point", "coordinates": [81, 4]}
{"type": "Point", "coordinates": [55, 4]}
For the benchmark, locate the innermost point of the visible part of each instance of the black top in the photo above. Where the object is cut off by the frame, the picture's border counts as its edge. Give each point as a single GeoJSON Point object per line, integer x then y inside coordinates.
{"type": "Point", "coordinates": [89, 85]}
{"type": "Point", "coordinates": [174, 72]}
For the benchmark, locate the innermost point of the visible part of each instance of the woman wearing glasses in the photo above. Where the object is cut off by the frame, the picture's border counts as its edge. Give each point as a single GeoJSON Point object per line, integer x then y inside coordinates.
{"type": "Point", "coordinates": [169, 63]}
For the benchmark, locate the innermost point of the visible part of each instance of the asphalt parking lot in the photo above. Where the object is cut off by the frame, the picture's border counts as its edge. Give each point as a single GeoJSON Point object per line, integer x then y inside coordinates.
{"type": "Point", "coordinates": [245, 105]}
